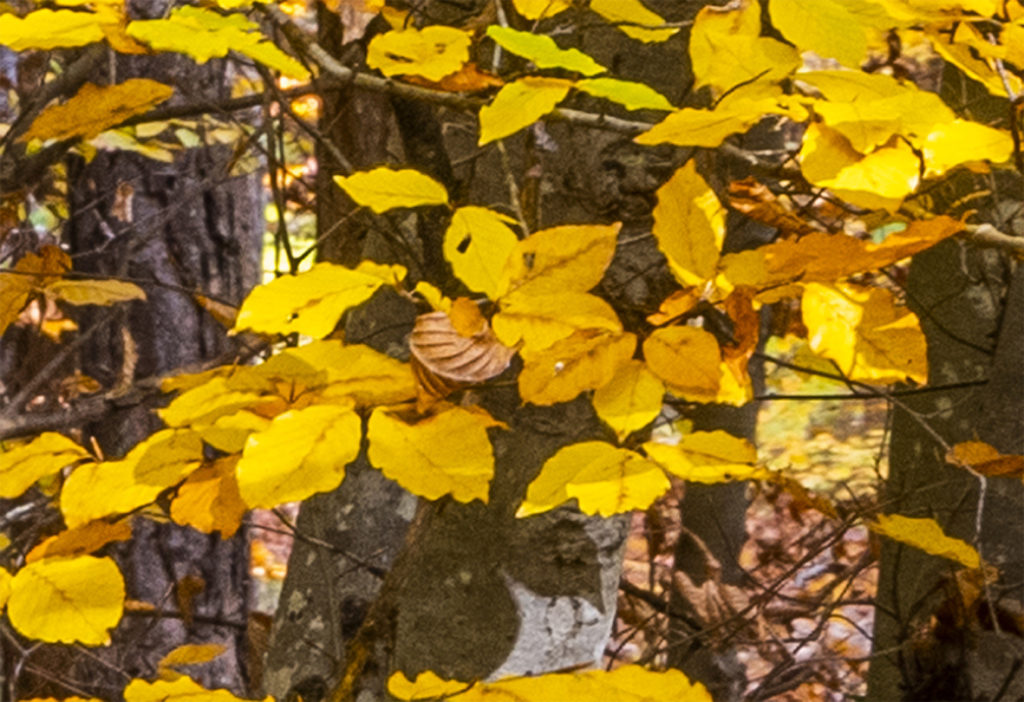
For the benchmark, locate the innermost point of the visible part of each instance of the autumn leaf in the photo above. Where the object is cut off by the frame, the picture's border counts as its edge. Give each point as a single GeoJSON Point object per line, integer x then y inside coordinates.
{"type": "Point", "coordinates": [32, 271]}
{"type": "Point", "coordinates": [520, 104]}
{"type": "Point", "coordinates": [432, 52]}
{"type": "Point", "coordinates": [928, 536]}
{"type": "Point", "coordinates": [543, 51]}
{"type": "Point", "coordinates": [707, 457]}
{"type": "Point", "coordinates": [81, 540]}
{"type": "Point", "coordinates": [831, 28]}
{"type": "Point", "coordinates": [188, 654]}
{"type": "Point", "coordinates": [93, 109]}
{"type": "Point", "coordinates": [384, 189]}
{"type": "Point", "coordinates": [629, 94]}
{"type": "Point", "coordinates": [986, 459]}
{"type": "Point", "coordinates": [67, 600]}
{"type": "Point", "coordinates": [204, 404]}
{"type": "Point", "coordinates": [478, 243]}
{"type": "Point", "coordinates": [446, 453]}
{"type": "Point", "coordinates": [689, 225]}
{"type": "Point", "coordinates": [301, 453]}
{"type": "Point", "coordinates": [630, 400]}
{"type": "Point", "coordinates": [586, 360]}
{"type": "Point", "coordinates": [537, 321]}
{"type": "Point", "coordinates": [603, 479]}
{"type": "Point", "coordinates": [181, 689]}
{"type": "Point", "coordinates": [536, 9]}
{"type": "Point", "coordinates": [5, 587]}
{"type": "Point", "coordinates": [94, 292]}
{"type": "Point", "coordinates": [688, 359]}
{"type": "Point", "coordinates": [209, 500]}
{"type": "Point", "coordinates": [633, 19]}
{"type": "Point", "coordinates": [49, 29]}
{"type": "Point", "coordinates": [561, 259]}
{"type": "Point", "coordinates": [22, 466]}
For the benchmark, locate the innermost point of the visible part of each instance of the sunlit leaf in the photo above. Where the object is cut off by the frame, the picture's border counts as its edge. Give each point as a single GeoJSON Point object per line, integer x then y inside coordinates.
{"type": "Point", "coordinates": [81, 540]}
{"type": "Point", "coordinates": [543, 51]}
{"type": "Point", "coordinates": [692, 127]}
{"type": "Point", "coordinates": [477, 244]}
{"type": "Point", "coordinates": [586, 360]}
{"type": "Point", "coordinates": [22, 466]}
{"type": "Point", "coordinates": [961, 142]}
{"type": "Point", "coordinates": [828, 27]}
{"type": "Point", "coordinates": [538, 321]}
{"type": "Point", "coordinates": [688, 359]}
{"type": "Point", "coordinates": [432, 52]}
{"type": "Point", "coordinates": [862, 330]}
{"type": "Point", "coordinates": [986, 459]}
{"type": "Point", "coordinates": [209, 499]}
{"type": "Point", "coordinates": [447, 453]}
{"type": "Point", "coordinates": [384, 189]}
{"type": "Point", "coordinates": [67, 600]}
{"type": "Point", "coordinates": [536, 9]}
{"type": "Point", "coordinates": [309, 303]}
{"type": "Point", "coordinates": [301, 453]}
{"type": "Point", "coordinates": [49, 29]}
{"type": "Point", "coordinates": [689, 224]}
{"type": "Point", "coordinates": [633, 19]}
{"type": "Point", "coordinates": [571, 258]}
{"type": "Point", "coordinates": [631, 400]}
{"type": "Point", "coordinates": [519, 105]}
{"type": "Point", "coordinates": [5, 587]}
{"type": "Point", "coordinates": [604, 480]}
{"type": "Point", "coordinates": [93, 109]}
{"type": "Point", "coordinates": [927, 535]}
{"type": "Point", "coordinates": [205, 403]}
{"type": "Point", "coordinates": [707, 457]}
{"type": "Point", "coordinates": [181, 689]}
{"type": "Point", "coordinates": [230, 432]}
{"type": "Point", "coordinates": [629, 94]}
{"type": "Point", "coordinates": [356, 371]}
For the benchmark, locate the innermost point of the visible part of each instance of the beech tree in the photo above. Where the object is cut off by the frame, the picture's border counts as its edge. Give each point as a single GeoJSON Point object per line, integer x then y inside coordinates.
{"type": "Point", "coordinates": [488, 369]}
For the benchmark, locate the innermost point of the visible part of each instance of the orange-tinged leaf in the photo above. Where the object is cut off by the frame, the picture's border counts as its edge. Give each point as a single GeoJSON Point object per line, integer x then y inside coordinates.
{"type": "Point", "coordinates": [181, 689]}
{"type": "Point", "coordinates": [758, 202]}
{"type": "Point", "coordinates": [94, 292]}
{"type": "Point", "coordinates": [468, 79]}
{"type": "Point", "coordinates": [986, 459]}
{"type": "Point", "coordinates": [22, 466]}
{"type": "Point", "coordinates": [542, 51]}
{"type": "Point", "coordinates": [432, 52]}
{"type": "Point", "coordinates": [81, 540]}
{"type": "Point", "coordinates": [67, 600]}
{"type": "Point", "coordinates": [209, 499]}
{"type": "Point", "coordinates": [604, 480]}
{"type": "Point", "coordinates": [707, 457]}
{"type": "Point", "coordinates": [633, 19]}
{"type": "Point", "coordinates": [309, 303]}
{"type": "Point", "coordinates": [447, 453]}
{"type": "Point", "coordinates": [689, 224]}
{"type": "Point", "coordinates": [49, 29]}
{"type": "Point", "coordinates": [536, 9]}
{"type": "Point", "coordinates": [927, 535]}
{"type": "Point", "coordinates": [631, 400]}
{"type": "Point", "coordinates": [32, 271]}
{"type": "Point", "coordinates": [570, 258]}
{"type": "Point", "coordinates": [688, 359]}
{"type": "Point", "coordinates": [383, 189]}
{"type": "Point", "coordinates": [586, 360]}
{"type": "Point", "coordinates": [519, 105]}
{"type": "Point", "coordinates": [188, 654]}
{"type": "Point", "coordinates": [863, 331]}
{"type": "Point", "coordinates": [94, 109]}
{"type": "Point", "coordinates": [161, 461]}
{"type": "Point", "coordinates": [477, 244]}
{"type": "Point", "coordinates": [466, 317]}
{"type": "Point", "coordinates": [675, 305]}
{"type": "Point", "coordinates": [538, 321]}
{"type": "Point", "coordinates": [301, 453]}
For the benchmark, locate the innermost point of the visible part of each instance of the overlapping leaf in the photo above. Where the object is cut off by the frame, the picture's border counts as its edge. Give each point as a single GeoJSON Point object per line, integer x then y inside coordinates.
{"type": "Point", "coordinates": [538, 321]}
{"type": "Point", "coordinates": [688, 359]}
{"type": "Point", "coordinates": [543, 51]}
{"type": "Point", "coordinates": [634, 19]}
{"type": "Point", "coordinates": [22, 466]}
{"type": "Point", "coordinates": [209, 500]}
{"type": "Point", "coordinates": [478, 243]}
{"type": "Point", "coordinates": [689, 224]}
{"type": "Point", "coordinates": [95, 108]}
{"type": "Point", "coordinates": [561, 259]}
{"type": "Point", "coordinates": [707, 457]}
{"type": "Point", "coordinates": [80, 540]}
{"type": "Point", "coordinates": [586, 360]}
{"type": "Point", "coordinates": [631, 400]}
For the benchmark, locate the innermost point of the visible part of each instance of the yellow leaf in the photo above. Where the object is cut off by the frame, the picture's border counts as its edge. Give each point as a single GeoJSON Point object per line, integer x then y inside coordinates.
{"type": "Point", "coordinates": [519, 105]}
{"type": "Point", "coordinates": [880, 179]}
{"type": "Point", "coordinates": [628, 683]}
{"type": "Point", "coordinates": [561, 259]}
{"type": "Point", "coordinates": [303, 452]}
{"type": "Point", "coordinates": [358, 372]}
{"type": "Point", "coordinates": [633, 19]}
{"type": "Point", "coordinates": [631, 95]}
{"type": "Point", "coordinates": [604, 480]}
{"type": "Point", "coordinates": [584, 361]}
{"type": "Point", "coordinates": [927, 535]}
{"type": "Point", "coordinates": [384, 189]}
{"type": "Point", "coordinates": [189, 654]}
{"type": "Point", "coordinates": [477, 244]}
{"type": "Point", "coordinates": [5, 587]}
{"type": "Point", "coordinates": [230, 432]}
{"type": "Point", "coordinates": [827, 27]}
{"type": "Point", "coordinates": [81, 540]}
{"type": "Point", "coordinates": [309, 303]}
{"type": "Point", "coordinates": [49, 29]}
{"type": "Point", "coordinates": [434, 297]}
{"type": "Point", "coordinates": [447, 453]}
{"type": "Point", "coordinates": [67, 600]}
{"type": "Point", "coordinates": [962, 55]}
{"type": "Point", "coordinates": [22, 466]}
{"type": "Point", "coordinates": [209, 499]}
{"type": "Point", "coordinates": [688, 359]}
{"type": "Point", "coordinates": [93, 109]}
{"type": "Point", "coordinates": [96, 490]}
{"type": "Point", "coordinates": [204, 404]}
{"type": "Point", "coordinates": [94, 292]}
{"type": "Point", "coordinates": [985, 459]}
{"type": "Point", "coordinates": [951, 144]}
{"type": "Point", "coordinates": [689, 224]}
{"type": "Point", "coordinates": [631, 400]}
{"type": "Point", "coordinates": [863, 331]}
{"type": "Point", "coordinates": [204, 34]}
{"type": "Point", "coordinates": [727, 49]}
{"type": "Point", "coordinates": [707, 457]}
{"type": "Point", "coordinates": [706, 128]}
{"type": "Point", "coordinates": [538, 321]}
{"type": "Point", "coordinates": [432, 52]}
{"type": "Point", "coordinates": [543, 51]}
{"type": "Point", "coordinates": [181, 689]}
{"type": "Point", "coordinates": [466, 318]}
{"type": "Point", "coordinates": [31, 271]}
{"type": "Point", "coordinates": [536, 9]}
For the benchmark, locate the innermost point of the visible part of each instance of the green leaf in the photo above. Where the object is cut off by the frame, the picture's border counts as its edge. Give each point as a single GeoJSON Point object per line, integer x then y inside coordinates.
{"type": "Point", "coordinates": [632, 95]}
{"type": "Point", "coordinates": [543, 51]}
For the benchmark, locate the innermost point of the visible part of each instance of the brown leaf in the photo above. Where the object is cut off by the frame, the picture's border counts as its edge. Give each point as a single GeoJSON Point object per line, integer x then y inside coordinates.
{"type": "Point", "coordinates": [437, 346]}
{"type": "Point", "coordinates": [469, 79]}
{"type": "Point", "coordinates": [985, 459]}
{"type": "Point", "coordinates": [756, 201]}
